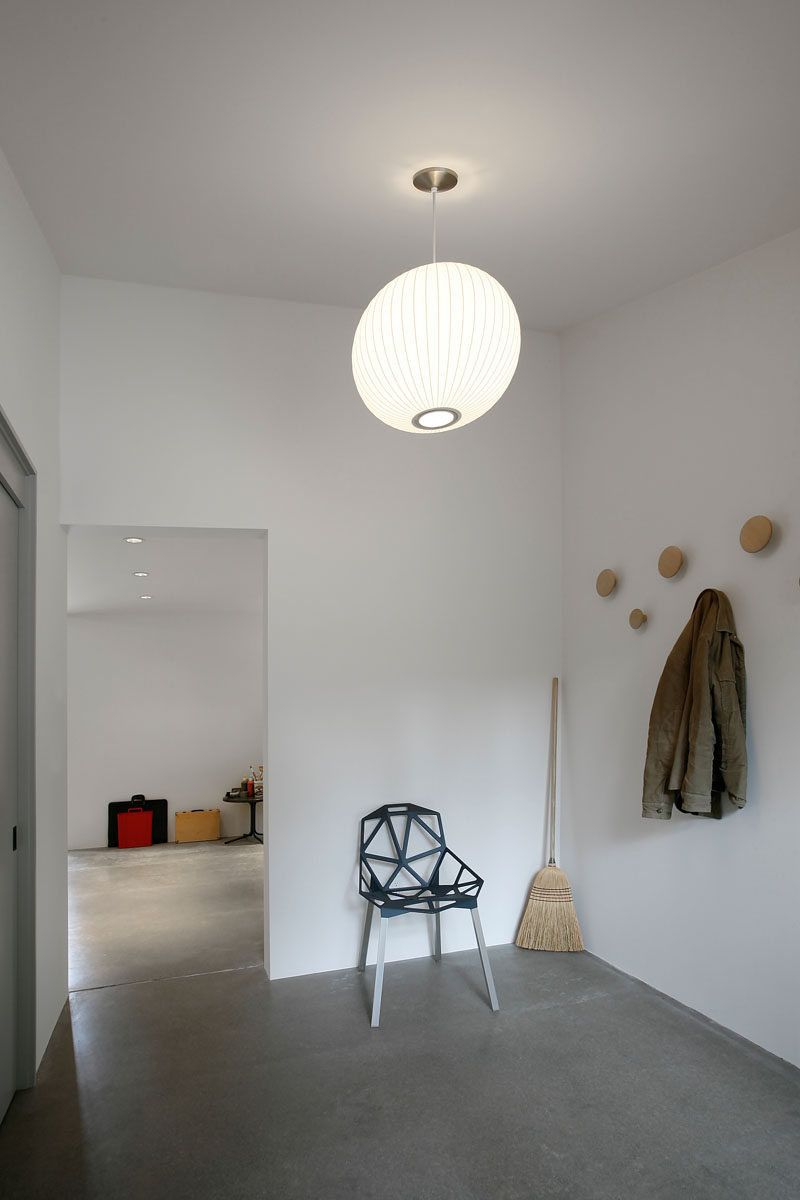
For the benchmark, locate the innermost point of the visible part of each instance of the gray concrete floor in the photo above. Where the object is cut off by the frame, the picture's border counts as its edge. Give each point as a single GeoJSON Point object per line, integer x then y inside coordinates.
{"type": "Point", "coordinates": [587, 1085]}
{"type": "Point", "coordinates": [162, 911]}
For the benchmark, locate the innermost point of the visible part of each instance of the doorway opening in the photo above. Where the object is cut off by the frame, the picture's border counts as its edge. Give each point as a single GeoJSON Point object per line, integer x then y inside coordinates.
{"type": "Point", "coordinates": [166, 689]}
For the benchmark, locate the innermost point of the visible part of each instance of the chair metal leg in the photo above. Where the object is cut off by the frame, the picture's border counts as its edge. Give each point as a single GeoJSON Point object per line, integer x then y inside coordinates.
{"type": "Point", "coordinates": [437, 945]}
{"type": "Point", "coordinates": [362, 958]}
{"type": "Point", "coordinates": [487, 970]}
{"type": "Point", "coordinates": [376, 996]}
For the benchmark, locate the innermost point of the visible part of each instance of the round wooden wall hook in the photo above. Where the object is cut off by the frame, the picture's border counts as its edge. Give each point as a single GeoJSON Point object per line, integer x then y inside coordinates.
{"type": "Point", "coordinates": [755, 534]}
{"type": "Point", "coordinates": [606, 582]}
{"type": "Point", "coordinates": [670, 561]}
{"type": "Point", "coordinates": [637, 618]}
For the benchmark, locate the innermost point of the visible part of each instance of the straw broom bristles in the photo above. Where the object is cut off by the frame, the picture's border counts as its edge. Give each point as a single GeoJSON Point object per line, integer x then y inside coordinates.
{"type": "Point", "coordinates": [550, 921]}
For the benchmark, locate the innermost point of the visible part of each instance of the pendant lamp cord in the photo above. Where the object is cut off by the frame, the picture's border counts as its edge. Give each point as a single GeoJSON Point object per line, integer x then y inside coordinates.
{"type": "Point", "coordinates": [434, 190]}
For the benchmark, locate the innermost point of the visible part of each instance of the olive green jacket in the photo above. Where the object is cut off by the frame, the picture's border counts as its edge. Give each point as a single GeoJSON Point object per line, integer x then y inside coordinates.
{"type": "Point", "coordinates": [696, 740]}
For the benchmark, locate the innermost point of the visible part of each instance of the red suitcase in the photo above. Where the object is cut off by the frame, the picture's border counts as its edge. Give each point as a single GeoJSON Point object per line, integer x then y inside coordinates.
{"type": "Point", "coordinates": [135, 828]}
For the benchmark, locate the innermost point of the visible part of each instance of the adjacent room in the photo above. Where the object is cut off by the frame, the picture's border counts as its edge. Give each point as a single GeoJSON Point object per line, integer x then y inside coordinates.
{"type": "Point", "coordinates": [483, 325]}
{"type": "Point", "coordinates": [165, 701]}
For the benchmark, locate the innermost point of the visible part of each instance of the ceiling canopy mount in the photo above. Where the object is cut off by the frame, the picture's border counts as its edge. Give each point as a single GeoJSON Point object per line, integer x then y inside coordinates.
{"type": "Point", "coordinates": [441, 178]}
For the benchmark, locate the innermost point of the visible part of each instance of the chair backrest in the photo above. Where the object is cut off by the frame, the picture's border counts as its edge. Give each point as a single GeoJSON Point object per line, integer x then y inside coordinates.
{"type": "Point", "coordinates": [402, 847]}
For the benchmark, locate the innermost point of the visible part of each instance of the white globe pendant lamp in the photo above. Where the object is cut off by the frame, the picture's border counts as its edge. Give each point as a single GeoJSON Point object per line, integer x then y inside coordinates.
{"type": "Point", "coordinates": [438, 346]}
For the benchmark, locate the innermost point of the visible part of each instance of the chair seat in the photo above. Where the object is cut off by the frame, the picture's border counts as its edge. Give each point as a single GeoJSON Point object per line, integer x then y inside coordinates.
{"type": "Point", "coordinates": [429, 900]}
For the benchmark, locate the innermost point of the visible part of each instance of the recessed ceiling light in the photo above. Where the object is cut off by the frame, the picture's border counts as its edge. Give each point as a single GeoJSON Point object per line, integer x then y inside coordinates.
{"type": "Point", "coordinates": [145, 597]}
{"type": "Point", "coordinates": [141, 574]}
{"type": "Point", "coordinates": [133, 541]}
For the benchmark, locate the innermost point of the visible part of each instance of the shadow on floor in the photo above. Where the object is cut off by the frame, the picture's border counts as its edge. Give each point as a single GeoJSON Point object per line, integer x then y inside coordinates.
{"type": "Point", "coordinates": [587, 1085]}
{"type": "Point", "coordinates": [41, 1138]}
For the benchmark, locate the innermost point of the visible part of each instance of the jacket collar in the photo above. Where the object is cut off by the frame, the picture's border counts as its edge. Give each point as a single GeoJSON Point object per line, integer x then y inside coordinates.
{"type": "Point", "coordinates": [724, 622]}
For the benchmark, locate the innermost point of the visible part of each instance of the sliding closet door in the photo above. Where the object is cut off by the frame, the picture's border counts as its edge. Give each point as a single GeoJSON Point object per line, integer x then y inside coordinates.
{"type": "Point", "coordinates": [9, 735]}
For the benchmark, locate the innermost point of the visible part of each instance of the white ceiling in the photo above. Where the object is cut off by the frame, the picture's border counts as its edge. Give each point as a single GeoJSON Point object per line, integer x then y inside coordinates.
{"type": "Point", "coordinates": [189, 571]}
{"type": "Point", "coordinates": [606, 147]}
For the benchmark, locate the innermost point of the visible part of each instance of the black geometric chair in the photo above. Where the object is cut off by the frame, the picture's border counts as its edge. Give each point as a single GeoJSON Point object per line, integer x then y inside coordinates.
{"type": "Point", "coordinates": [406, 867]}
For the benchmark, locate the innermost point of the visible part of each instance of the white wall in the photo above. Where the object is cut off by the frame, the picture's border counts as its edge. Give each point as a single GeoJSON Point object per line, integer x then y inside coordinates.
{"type": "Point", "coordinates": [165, 704]}
{"type": "Point", "coordinates": [414, 582]}
{"type": "Point", "coordinates": [29, 334]}
{"type": "Point", "coordinates": [681, 420]}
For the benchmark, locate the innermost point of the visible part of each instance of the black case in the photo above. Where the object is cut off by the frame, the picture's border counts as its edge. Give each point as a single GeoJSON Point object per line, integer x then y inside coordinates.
{"type": "Point", "coordinates": [157, 807]}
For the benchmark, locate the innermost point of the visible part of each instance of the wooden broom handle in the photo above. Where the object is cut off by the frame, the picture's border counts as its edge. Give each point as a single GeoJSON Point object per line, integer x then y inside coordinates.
{"type": "Point", "coordinates": [553, 752]}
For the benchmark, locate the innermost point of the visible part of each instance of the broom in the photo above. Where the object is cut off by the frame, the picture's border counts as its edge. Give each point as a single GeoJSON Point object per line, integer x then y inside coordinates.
{"type": "Point", "coordinates": [549, 921]}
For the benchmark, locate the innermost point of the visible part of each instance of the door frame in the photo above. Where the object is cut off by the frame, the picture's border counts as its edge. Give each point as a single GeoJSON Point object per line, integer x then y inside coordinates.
{"type": "Point", "coordinates": [19, 479]}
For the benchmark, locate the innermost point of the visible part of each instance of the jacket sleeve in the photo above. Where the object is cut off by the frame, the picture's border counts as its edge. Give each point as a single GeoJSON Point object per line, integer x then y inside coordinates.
{"type": "Point", "coordinates": [730, 717]}
{"type": "Point", "coordinates": [695, 787]}
{"type": "Point", "coordinates": [666, 741]}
